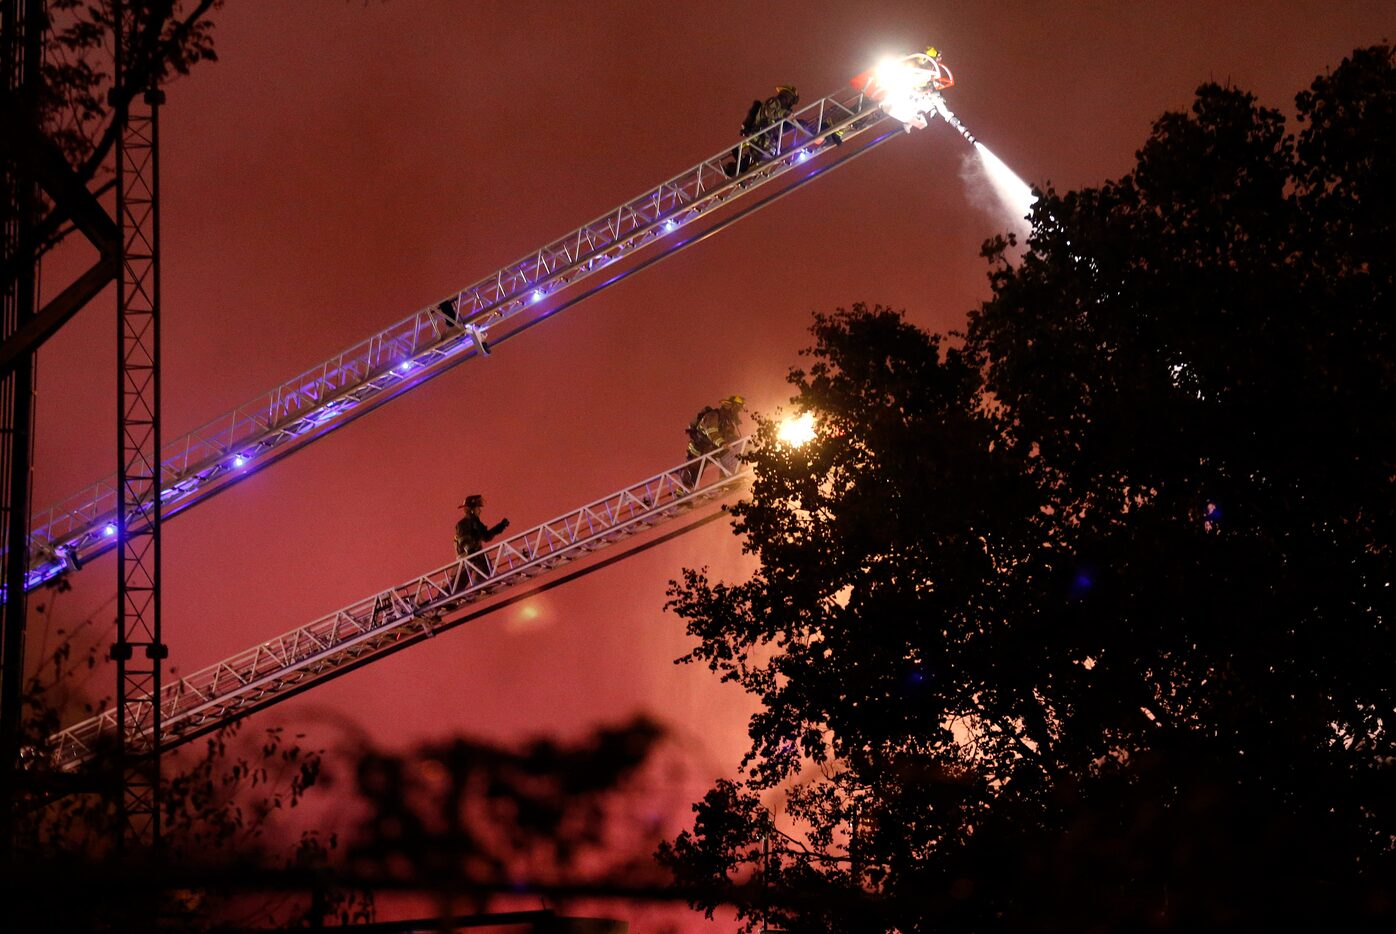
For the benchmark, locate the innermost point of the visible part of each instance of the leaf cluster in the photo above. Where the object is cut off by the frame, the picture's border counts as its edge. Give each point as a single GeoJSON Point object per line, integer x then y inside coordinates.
{"type": "Point", "coordinates": [67, 119]}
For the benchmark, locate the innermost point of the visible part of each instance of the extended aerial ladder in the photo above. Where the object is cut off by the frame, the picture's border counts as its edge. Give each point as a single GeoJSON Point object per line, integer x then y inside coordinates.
{"type": "Point", "coordinates": [418, 609]}
{"type": "Point", "coordinates": [681, 211]}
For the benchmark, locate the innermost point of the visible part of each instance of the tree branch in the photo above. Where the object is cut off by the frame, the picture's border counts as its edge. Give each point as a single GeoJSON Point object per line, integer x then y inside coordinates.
{"type": "Point", "coordinates": [139, 78]}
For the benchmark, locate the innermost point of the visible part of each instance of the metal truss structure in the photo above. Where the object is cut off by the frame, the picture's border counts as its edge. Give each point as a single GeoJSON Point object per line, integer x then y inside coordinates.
{"type": "Point", "coordinates": [415, 610]}
{"type": "Point", "coordinates": [676, 213]}
{"type": "Point", "coordinates": [139, 652]}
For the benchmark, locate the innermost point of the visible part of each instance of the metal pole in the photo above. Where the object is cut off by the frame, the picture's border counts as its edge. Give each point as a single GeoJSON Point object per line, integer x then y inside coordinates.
{"type": "Point", "coordinates": [22, 51]}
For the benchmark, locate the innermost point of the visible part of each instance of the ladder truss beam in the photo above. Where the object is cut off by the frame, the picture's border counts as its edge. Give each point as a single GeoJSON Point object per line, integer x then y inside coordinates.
{"type": "Point", "coordinates": [375, 625]}
{"type": "Point", "coordinates": [412, 350]}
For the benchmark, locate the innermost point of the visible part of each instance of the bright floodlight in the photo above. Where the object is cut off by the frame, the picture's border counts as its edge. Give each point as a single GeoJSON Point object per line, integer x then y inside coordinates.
{"type": "Point", "coordinates": [537, 294]}
{"type": "Point", "coordinates": [797, 431]}
{"type": "Point", "coordinates": [907, 88]}
{"type": "Point", "coordinates": [239, 461]}
{"type": "Point", "coordinates": [896, 76]}
{"type": "Point", "coordinates": [109, 531]}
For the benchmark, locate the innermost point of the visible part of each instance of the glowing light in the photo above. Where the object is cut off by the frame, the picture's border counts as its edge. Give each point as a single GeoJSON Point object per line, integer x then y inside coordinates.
{"type": "Point", "coordinates": [531, 617]}
{"type": "Point", "coordinates": [908, 88]}
{"type": "Point", "coordinates": [669, 225]}
{"type": "Point", "coordinates": [537, 294]}
{"type": "Point", "coordinates": [897, 77]}
{"type": "Point", "coordinates": [804, 154]}
{"type": "Point", "coordinates": [239, 461]}
{"type": "Point", "coordinates": [1011, 190]}
{"type": "Point", "coordinates": [797, 431]}
{"type": "Point", "coordinates": [405, 366]}
{"type": "Point", "coordinates": [109, 531]}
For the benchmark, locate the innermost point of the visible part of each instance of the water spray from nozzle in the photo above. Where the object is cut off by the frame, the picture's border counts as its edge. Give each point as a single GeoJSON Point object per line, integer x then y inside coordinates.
{"type": "Point", "coordinates": [1014, 193]}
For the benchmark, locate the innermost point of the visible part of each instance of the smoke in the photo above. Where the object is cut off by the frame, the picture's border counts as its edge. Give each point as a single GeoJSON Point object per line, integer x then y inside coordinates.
{"type": "Point", "coordinates": [997, 190]}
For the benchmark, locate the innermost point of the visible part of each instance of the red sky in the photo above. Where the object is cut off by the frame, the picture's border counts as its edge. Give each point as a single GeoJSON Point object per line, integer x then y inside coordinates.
{"type": "Point", "coordinates": [345, 163]}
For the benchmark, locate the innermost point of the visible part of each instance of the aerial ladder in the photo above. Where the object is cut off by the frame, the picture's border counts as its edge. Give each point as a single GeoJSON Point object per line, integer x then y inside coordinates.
{"type": "Point", "coordinates": [471, 322]}
{"type": "Point", "coordinates": [463, 326]}
{"type": "Point", "coordinates": [680, 499]}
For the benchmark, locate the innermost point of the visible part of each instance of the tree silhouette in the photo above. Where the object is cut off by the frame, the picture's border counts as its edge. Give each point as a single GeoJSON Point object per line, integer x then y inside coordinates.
{"type": "Point", "coordinates": [218, 809]}
{"type": "Point", "coordinates": [1084, 620]}
{"type": "Point", "coordinates": [59, 131]}
{"type": "Point", "coordinates": [460, 822]}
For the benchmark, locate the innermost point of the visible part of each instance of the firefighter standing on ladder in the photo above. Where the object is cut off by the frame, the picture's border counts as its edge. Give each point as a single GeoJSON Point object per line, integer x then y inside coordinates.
{"type": "Point", "coordinates": [471, 533]}
{"type": "Point", "coordinates": [711, 429]}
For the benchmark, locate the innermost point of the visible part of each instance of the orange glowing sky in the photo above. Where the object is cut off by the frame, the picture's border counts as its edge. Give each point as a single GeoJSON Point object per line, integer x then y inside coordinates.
{"type": "Point", "coordinates": [345, 163]}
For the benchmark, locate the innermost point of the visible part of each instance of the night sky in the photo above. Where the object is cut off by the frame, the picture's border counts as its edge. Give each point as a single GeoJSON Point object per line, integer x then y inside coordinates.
{"type": "Point", "coordinates": [345, 163]}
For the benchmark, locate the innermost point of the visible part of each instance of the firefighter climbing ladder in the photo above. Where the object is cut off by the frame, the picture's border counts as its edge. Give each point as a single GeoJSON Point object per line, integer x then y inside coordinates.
{"type": "Point", "coordinates": [392, 619]}
{"type": "Point", "coordinates": [677, 213]}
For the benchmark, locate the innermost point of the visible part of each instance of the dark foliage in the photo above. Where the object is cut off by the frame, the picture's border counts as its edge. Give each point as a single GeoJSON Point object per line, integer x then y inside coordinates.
{"type": "Point", "coordinates": [462, 821]}
{"type": "Point", "coordinates": [70, 115]}
{"type": "Point", "coordinates": [218, 839]}
{"type": "Point", "coordinates": [470, 815]}
{"type": "Point", "coordinates": [165, 39]}
{"type": "Point", "coordinates": [459, 821]}
{"type": "Point", "coordinates": [1085, 622]}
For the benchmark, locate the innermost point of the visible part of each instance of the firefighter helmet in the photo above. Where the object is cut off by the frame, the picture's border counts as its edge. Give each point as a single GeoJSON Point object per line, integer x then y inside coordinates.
{"type": "Point", "coordinates": [734, 400]}
{"type": "Point", "coordinates": [473, 501]}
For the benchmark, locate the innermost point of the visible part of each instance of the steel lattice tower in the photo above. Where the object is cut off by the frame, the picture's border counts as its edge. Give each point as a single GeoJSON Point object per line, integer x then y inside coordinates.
{"type": "Point", "coordinates": [139, 651]}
